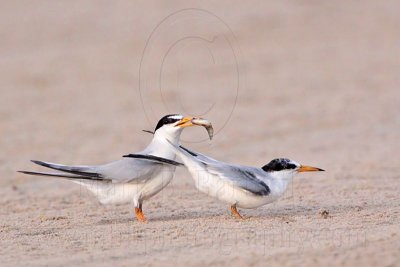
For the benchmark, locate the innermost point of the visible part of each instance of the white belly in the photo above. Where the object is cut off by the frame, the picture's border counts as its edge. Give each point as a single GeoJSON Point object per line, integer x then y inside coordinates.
{"type": "Point", "coordinates": [226, 192]}
{"type": "Point", "coordinates": [156, 184]}
{"type": "Point", "coordinates": [122, 193]}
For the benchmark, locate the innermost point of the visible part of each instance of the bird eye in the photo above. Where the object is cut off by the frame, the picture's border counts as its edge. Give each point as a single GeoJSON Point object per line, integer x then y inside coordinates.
{"type": "Point", "coordinates": [279, 165]}
{"type": "Point", "coordinates": [167, 120]}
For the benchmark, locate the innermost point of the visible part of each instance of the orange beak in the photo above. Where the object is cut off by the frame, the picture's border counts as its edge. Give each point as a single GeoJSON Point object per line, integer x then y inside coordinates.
{"type": "Point", "coordinates": [304, 168]}
{"type": "Point", "coordinates": [190, 121]}
{"type": "Point", "coordinates": [185, 122]}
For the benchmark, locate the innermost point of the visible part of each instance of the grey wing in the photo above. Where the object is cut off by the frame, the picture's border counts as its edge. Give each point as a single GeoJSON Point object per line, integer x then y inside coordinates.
{"type": "Point", "coordinates": [154, 158]}
{"type": "Point", "coordinates": [199, 156]}
{"type": "Point", "coordinates": [134, 170]}
{"type": "Point", "coordinates": [247, 178]}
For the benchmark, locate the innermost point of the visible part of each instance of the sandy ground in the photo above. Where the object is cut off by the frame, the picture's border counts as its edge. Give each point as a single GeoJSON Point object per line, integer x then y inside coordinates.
{"type": "Point", "coordinates": [315, 81]}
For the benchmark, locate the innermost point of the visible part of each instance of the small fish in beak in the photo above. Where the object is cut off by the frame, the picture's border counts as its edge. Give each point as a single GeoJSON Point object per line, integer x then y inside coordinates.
{"type": "Point", "coordinates": [191, 121]}
{"type": "Point", "coordinates": [206, 124]}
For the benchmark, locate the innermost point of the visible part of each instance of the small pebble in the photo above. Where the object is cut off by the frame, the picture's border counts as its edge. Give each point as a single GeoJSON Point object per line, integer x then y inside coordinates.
{"type": "Point", "coordinates": [324, 214]}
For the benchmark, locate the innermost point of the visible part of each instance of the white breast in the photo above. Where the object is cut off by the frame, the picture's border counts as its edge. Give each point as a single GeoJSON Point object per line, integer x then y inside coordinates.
{"type": "Point", "coordinates": [122, 193]}
{"type": "Point", "coordinates": [213, 186]}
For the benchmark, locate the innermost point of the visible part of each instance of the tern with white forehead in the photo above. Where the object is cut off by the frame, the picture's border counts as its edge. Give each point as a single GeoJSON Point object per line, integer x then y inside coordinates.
{"type": "Point", "coordinates": [136, 177]}
{"type": "Point", "coordinates": [240, 186]}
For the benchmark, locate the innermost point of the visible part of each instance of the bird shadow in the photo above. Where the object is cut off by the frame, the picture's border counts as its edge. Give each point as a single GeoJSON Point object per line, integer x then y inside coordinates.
{"type": "Point", "coordinates": [187, 215]}
{"type": "Point", "coordinates": [115, 221]}
{"type": "Point", "coordinates": [283, 213]}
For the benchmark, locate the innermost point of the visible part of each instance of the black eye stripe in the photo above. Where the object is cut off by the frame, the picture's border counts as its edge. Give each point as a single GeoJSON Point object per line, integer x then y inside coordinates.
{"type": "Point", "coordinates": [279, 165]}
{"type": "Point", "coordinates": [168, 119]}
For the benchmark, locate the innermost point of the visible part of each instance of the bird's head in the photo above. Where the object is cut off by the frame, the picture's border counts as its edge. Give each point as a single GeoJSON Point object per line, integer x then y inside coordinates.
{"type": "Point", "coordinates": [171, 126]}
{"type": "Point", "coordinates": [286, 168]}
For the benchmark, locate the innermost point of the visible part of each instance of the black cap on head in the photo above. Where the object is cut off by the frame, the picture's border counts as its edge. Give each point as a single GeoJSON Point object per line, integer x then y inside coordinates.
{"type": "Point", "coordinates": [279, 165]}
{"type": "Point", "coordinates": [168, 119]}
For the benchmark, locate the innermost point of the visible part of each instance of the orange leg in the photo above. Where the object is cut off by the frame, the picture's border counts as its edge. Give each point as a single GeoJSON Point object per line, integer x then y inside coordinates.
{"type": "Point", "coordinates": [235, 212]}
{"type": "Point", "coordinates": [140, 215]}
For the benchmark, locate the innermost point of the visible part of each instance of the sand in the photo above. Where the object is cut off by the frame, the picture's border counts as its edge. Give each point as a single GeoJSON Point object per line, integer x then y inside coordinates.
{"type": "Point", "coordinates": [314, 81]}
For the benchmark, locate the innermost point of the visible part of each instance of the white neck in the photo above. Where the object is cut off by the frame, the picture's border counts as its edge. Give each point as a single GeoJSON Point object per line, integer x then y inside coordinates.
{"type": "Point", "coordinates": [160, 147]}
{"type": "Point", "coordinates": [281, 181]}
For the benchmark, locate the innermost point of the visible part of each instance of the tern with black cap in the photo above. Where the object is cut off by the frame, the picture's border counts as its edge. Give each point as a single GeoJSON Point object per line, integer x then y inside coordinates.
{"type": "Point", "coordinates": [136, 177]}
{"type": "Point", "coordinates": [240, 186]}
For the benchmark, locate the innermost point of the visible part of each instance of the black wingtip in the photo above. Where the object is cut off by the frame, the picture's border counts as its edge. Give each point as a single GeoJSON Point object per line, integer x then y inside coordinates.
{"type": "Point", "coordinates": [154, 158]}
{"type": "Point", "coordinates": [30, 173]}
{"type": "Point", "coordinates": [38, 162]}
{"type": "Point", "coordinates": [148, 131]}
{"type": "Point", "coordinates": [188, 151]}
{"type": "Point", "coordinates": [69, 169]}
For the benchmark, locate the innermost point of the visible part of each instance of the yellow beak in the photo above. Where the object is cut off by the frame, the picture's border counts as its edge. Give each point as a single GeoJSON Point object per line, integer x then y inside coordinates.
{"type": "Point", "coordinates": [304, 168]}
{"type": "Point", "coordinates": [185, 122]}
{"type": "Point", "coordinates": [190, 121]}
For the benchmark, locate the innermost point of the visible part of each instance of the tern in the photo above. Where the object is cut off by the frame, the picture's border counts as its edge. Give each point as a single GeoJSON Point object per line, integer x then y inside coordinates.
{"type": "Point", "coordinates": [240, 186]}
{"type": "Point", "coordinates": [136, 177]}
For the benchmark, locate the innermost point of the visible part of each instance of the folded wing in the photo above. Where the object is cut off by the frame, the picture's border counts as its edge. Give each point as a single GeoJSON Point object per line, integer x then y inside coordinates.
{"type": "Point", "coordinates": [133, 168]}
{"type": "Point", "coordinates": [247, 178]}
